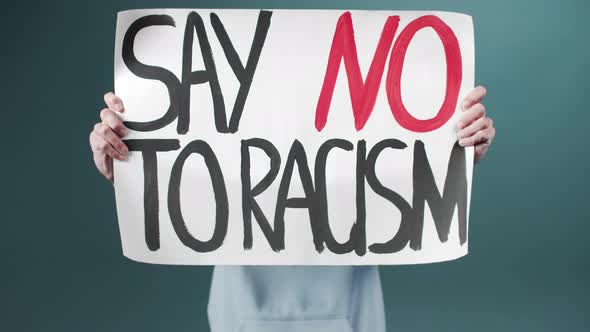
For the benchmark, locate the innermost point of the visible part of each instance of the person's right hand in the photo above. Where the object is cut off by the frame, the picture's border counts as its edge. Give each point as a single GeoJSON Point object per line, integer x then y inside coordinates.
{"type": "Point", "coordinates": [105, 139]}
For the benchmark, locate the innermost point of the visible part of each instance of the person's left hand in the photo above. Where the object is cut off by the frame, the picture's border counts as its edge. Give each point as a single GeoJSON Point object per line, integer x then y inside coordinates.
{"type": "Point", "coordinates": [475, 128]}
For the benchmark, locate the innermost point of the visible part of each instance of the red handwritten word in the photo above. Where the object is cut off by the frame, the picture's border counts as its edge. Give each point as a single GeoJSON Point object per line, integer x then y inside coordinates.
{"type": "Point", "coordinates": [364, 94]}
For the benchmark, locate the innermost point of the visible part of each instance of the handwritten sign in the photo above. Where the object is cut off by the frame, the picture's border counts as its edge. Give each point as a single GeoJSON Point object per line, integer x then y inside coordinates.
{"type": "Point", "coordinates": [293, 136]}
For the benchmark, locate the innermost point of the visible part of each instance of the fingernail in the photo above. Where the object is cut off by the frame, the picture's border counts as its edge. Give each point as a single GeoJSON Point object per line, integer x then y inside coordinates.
{"type": "Point", "coordinates": [118, 107]}
{"type": "Point", "coordinates": [461, 142]}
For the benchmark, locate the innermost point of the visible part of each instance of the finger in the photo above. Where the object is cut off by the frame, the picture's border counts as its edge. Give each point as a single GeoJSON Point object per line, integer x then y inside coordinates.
{"type": "Point", "coordinates": [107, 133]}
{"type": "Point", "coordinates": [480, 151]}
{"type": "Point", "coordinates": [482, 136]}
{"type": "Point", "coordinates": [475, 112]}
{"type": "Point", "coordinates": [477, 125]}
{"type": "Point", "coordinates": [473, 97]}
{"type": "Point", "coordinates": [104, 165]}
{"type": "Point", "coordinates": [113, 102]}
{"type": "Point", "coordinates": [492, 132]}
{"type": "Point", "coordinates": [113, 121]}
{"type": "Point", "coordinates": [99, 144]}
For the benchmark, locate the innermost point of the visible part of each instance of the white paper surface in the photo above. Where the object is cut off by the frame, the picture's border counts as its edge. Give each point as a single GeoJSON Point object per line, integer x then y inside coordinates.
{"type": "Point", "coordinates": [280, 107]}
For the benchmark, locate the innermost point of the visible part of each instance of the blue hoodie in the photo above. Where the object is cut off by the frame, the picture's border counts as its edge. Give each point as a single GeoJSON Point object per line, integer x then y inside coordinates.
{"type": "Point", "coordinates": [296, 298]}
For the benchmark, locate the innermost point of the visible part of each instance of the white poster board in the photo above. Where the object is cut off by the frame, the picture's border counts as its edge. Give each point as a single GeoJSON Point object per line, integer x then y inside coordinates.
{"type": "Point", "coordinates": [316, 137]}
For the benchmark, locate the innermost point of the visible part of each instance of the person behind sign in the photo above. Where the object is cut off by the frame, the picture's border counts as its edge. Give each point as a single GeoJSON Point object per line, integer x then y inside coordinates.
{"type": "Point", "coordinates": [292, 298]}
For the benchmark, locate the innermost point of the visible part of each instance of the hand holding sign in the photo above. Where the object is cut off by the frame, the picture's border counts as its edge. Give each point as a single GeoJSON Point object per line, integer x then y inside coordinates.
{"type": "Point", "coordinates": [475, 128]}
{"type": "Point", "coordinates": [290, 178]}
{"type": "Point", "coordinates": [105, 139]}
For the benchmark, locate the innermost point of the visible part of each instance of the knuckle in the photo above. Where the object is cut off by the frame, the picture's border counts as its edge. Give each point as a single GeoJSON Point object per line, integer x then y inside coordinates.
{"type": "Point", "coordinates": [115, 99]}
{"type": "Point", "coordinates": [482, 109]}
{"type": "Point", "coordinates": [479, 110]}
{"type": "Point", "coordinates": [103, 129]}
{"type": "Point", "coordinates": [483, 123]}
{"type": "Point", "coordinates": [101, 146]}
{"type": "Point", "coordinates": [118, 126]}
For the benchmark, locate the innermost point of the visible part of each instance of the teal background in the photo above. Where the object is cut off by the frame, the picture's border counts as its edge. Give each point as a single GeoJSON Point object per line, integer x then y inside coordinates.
{"type": "Point", "coordinates": [528, 267]}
